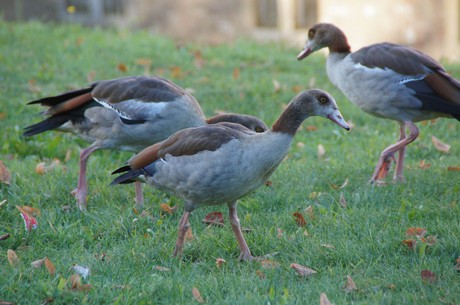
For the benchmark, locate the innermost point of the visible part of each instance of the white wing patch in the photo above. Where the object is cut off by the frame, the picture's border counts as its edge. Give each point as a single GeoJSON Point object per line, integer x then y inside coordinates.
{"type": "Point", "coordinates": [110, 106]}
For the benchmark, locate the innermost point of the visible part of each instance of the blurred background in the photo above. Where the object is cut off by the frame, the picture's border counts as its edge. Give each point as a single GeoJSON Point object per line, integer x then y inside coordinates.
{"type": "Point", "coordinates": [431, 26]}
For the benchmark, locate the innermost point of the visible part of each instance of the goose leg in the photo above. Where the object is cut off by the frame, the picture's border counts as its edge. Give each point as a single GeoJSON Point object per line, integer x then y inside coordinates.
{"type": "Point", "coordinates": [183, 227]}
{"type": "Point", "coordinates": [139, 195]}
{"type": "Point", "coordinates": [381, 170]}
{"type": "Point", "coordinates": [81, 191]}
{"type": "Point", "coordinates": [245, 253]}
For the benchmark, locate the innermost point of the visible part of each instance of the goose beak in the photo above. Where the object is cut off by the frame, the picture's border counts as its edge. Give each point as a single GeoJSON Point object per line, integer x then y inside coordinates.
{"type": "Point", "coordinates": [305, 52]}
{"type": "Point", "coordinates": [337, 118]}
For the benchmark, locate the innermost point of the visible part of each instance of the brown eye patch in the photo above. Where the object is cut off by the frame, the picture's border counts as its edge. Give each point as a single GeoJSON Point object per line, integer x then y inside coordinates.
{"type": "Point", "coordinates": [311, 33]}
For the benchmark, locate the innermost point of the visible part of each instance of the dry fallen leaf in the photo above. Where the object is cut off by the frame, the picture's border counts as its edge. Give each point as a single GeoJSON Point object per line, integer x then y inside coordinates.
{"type": "Point", "coordinates": [414, 231]}
{"type": "Point", "coordinates": [429, 240]}
{"type": "Point", "coordinates": [160, 268]}
{"type": "Point", "coordinates": [12, 258]}
{"type": "Point", "coordinates": [344, 184]}
{"type": "Point", "coordinates": [269, 264]}
{"type": "Point", "coordinates": [457, 265]}
{"type": "Point", "coordinates": [302, 270]}
{"type": "Point", "coordinates": [220, 262]}
{"type": "Point", "coordinates": [323, 300]}
{"type": "Point", "coordinates": [268, 183]}
{"type": "Point", "coordinates": [197, 295]}
{"type": "Point", "coordinates": [453, 168]}
{"type": "Point", "coordinates": [5, 175]}
{"type": "Point", "coordinates": [428, 276]}
{"type": "Point", "coordinates": [198, 59]}
{"type": "Point", "coordinates": [440, 145]}
{"type": "Point", "coordinates": [411, 243]}
{"type": "Point", "coordinates": [176, 72]}
{"type": "Point", "coordinates": [300, 144]}
{"type": "Point", "coordinates": [33, 87]}
{"type": "Point", "coordinates": [236, 73]}
{"type": "Point", "coordinates": [5, 236]}
{"type": "Point", "coordinates": [276, 85]}
{"type": "Point", "coordinates": [342, 200]}
{"type": "Point", "coordinates": [311, 128]}
{"type": "Point", "coordinates": [122, 67]}
{"type": "Point", "coordinates": [75, 281]}
{"type": "Point", "coordinates": [321, 151]}
{"type": "Point", "coordinates": [189, 235]}
{"type": "Point", "coordinates": [166, 208]}
{"type": "Point", "coordinates": [260, 274]}
{"type": "Point", "coordinates": [3, 302]}
{"type": "Point", "coordinates": [350, 285]}
{"type": "Point", "coordinates": [424, 165]}
{"type": "Point", "coordinates": [38, 263]}
{"type": "Point", "coordinates": [41, 168]}
{"type": "Point", "coordinates": [29, 210]}
{"type": "Point", "coordinates": [298, 217]}
{"type": "Point", "coordinates": [329, 246]}
{"type": "Point", "coordinates": [214, 218]}
{"type": "Point", "coordinates": [50, 266]}
{"type": "Point", "coordinates": [280, 233]}
{"type": "Point", "coordinates": [310, 212]}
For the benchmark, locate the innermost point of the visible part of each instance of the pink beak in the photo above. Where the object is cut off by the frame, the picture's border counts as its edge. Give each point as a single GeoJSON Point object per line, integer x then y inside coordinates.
{"type": "Point", "coordinates": [304, 53]}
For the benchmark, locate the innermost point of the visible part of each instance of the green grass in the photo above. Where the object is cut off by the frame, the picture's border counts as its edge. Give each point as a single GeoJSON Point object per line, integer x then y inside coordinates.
{"type": "Point", "coordinates": [367, 235]}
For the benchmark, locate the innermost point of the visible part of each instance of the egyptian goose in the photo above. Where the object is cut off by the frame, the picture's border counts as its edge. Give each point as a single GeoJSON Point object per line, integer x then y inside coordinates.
{"type": "Point", "coordinates": [388, 81]}
{"type": "Point", "coordinates": [126, 114]}
{"type": "Point", "coordinates": [221, 163]}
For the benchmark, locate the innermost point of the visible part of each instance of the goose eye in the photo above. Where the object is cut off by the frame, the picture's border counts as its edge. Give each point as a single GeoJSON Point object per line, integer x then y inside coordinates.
{"type": "Point", "coordinates": [311, 33]}
{"type": "Point", "coordinates": [259, 129]}
{"type": "Point", "coordinates": [323, 100]}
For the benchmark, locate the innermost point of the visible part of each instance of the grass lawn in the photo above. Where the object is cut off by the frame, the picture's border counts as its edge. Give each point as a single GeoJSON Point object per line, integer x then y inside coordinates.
{"type": "Point", "coordinates": [125, 250]}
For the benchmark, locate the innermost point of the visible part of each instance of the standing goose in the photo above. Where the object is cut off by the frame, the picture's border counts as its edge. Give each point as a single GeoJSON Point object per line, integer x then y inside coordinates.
{"type": "Point", "coordinates": [221, 163]}
{"type": "Point", "coordinates": [388, 81]}
{"type": "Point", "coordinates": [126, 114]}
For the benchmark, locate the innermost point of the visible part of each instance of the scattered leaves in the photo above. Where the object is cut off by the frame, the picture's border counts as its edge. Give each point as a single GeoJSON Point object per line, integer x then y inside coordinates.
{"type": "Point", "coordinates": [453, 168]}
{"type": "Point", "coordinates": [299, 219]}
{"type": "Point", "coordinates": [176, 72]}
{"type": "Point", "coordinates": [302, 270]}
{"type": "Point", "coordinates": [214, 218]}
{"type": "Point", "coordinates": [50, 266]}
{"type": "Point", "coordinates": [440, 145]}
{"type": "Point", "coordinates": [38, 263]}
{"type": "Point", "coordinates": [43, 168]}
{"type": "Point", "coordinates": [323, 300]}
{"type": "Point", "coordinates": [160, 268]}
{"type": "Point", "coordinates": [311, 128]}
{"type": "Point", "coordinates": [5, 176]}
{"type": "Point", "coordinates": [13, 259]}
{"type": "Point", "coordinates": [342, 201]}
{"type": "Point", "coordinates": [411, 243]}
{"type": "Point", "coordinates": [260, 274]}
{"type": "Point", "coordinates": [310, 212]}
{"type": "Point", "coordinates": [5, 236]}
{"type": "Point", "coordinates": [350, 285]}
{"type": "Point", "coordinates": [168, 209]}
{"type": "Point", "coordinates": [428, 276]}
{"type": "Point", "coordinates": [321, 151]}
{"type": "Point", "coordinates": [3, 302]}
{"type": "Point", "coordinates": [198, 59]}
{"type": "Point", "coordinates": [197, 295]}
{"type": "Point", "coordinates": [220, 262]}
{"type": "Point", "coordinates": [276, 85]}
{"type": "Point", "coordinates": [337, 187]}
{"type": "Point", "coordinates": [29, 210]}
{"type": "Point", "coordinates": [189, 235]}
{"type": "Point", "coordinates": [27, 214]}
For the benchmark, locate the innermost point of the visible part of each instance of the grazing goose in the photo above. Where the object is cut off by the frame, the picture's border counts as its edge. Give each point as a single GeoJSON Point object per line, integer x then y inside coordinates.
{"type": "Point", "coordinates": [388, 81]}
{"type": "Point", "coordinates": [221, 163]}
{"type": "Point", "coordinates": [126, 114]}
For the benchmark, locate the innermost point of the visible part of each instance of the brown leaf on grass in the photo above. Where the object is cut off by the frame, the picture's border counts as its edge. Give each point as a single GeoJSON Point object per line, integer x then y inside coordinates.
{"type": "Point", "coordinates": [2, 115]}
{"type": "Point", "coordinates": [323, 300]}
{"type": "Point", "coordinates": [74, 281]}
{"type": "Point", "coordinates": [5, 236]}
{"type": "Point", "coordinates": [189, 235]}
{"type": "Point", "coordinates": [268, 183]}
{"type": "Point", "coordinates": [298, 217]}
{"type": "Point", "coordinates": [453, 168]}
{"type": "Point", "coordinates": [214, 218]}
{"type": "Point", "coordinates": [176, 72]}
{"type": "Point", "coordinates": [144, 62]}
{"type": "Point", "coordinates": [197, 295]}
{"type": "Point", "coordinates": [321, 151]}
{"type": "Point", "coordinates": [46, 301]}
{"type": "Point", "coordinates": [3, 302]}
{"type": "Point", "coordinates": [29, 210]}
{"type": "Point", "coordinates": [198, 59]}
{"type": "Point", "coordinates": [310, 212]}
{"type": "Point", "coordinates": [302, 270]}
{"type": "Point", "coordinates": [428, 276]}
{"type": "Point", "coordinates": [329, 246]}
{"type": "Point", "coordinates": [296, 89]}
{"type": "Point", "coordinates": [457, 265]}
{"type": "Point", "coordinates": [236, 73]}
{"type": "Point", "coordinates": [50, 266]}
{"type": "Point", "coordinates": [441, 146]}
{"type": "Point", "coordinates": [122, 67]}
{"type": "Point", "coordinates": [5, 175]}
{"type": "Point", "coordinates": [414, 231]}
{"type": "Point", "coordinates": [350, 285]}
{"type": "Point", "coordinates": [38, 263]}
{"type": "Point", "coordinates": [305, 233]}
{"type": "Point", "coordinates": [311, 128]}
{"type": "Point", "coordinates": [411, 243]}
{"type": "Point", "coordinates": [429, 240]}
{"type": "Point", "coordinates": [276, 85]}
{"type": "Point", "coordinates": [424, 165]}
{"type": "Point", "coordinates": [280, 233]}
{"type": "Point", "coordinates": [260, 274]}
{"type": "Point", "coordinates": [220, 262]}
{"type": "Point", "coordinates": [168, 209]}
{"type": "Point", "coordinates": [162, 269]}
{"type": "Point", "coordinates": [342, 201]}
{"type": "Point", "coordinates": [33, 87]}
{"type": "Point", "coordinates": [300, 144]}
{"type": "Point", "coordinates": [269, 264]}
{"type": "Point", "coordinates": [13, 259]}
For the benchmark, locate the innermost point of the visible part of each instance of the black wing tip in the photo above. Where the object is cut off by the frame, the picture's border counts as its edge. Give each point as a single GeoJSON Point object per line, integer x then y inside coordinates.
{"type": "Point", "coordinates": [121, 169]}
